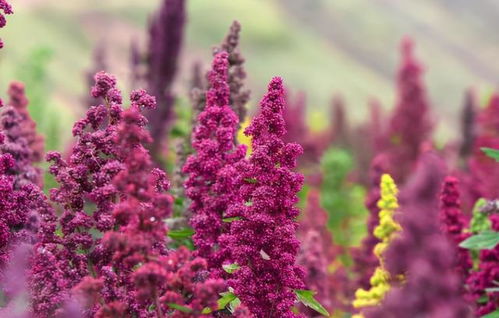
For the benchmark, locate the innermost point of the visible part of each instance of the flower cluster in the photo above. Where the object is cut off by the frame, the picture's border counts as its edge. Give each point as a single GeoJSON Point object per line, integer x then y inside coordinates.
{"type": "Point", "coordinates": [86, 197]}
{"type": "Point", "coordinates": [21, 139]}
{"type": "Point", "coordinates": [262, 237]}
{"type": "Point", "coordinates": [207, 186]}
{"type": "Point", "coordinates": [365, 261]}
{"type": "Point", "coordinates": [453, 222]}
{"type": "Point", "coordinates": [5, 9]}
{"type": "Point", "coordinates": [410, 125]}
{"type": "Point", "coordinates": [317, 249]}
{"type": "Point", "coordinates": [385, 232]}
{"type": "Point", "coordinates": [239, 95]}
{"type": "Point", "coordinates": [166, 34]}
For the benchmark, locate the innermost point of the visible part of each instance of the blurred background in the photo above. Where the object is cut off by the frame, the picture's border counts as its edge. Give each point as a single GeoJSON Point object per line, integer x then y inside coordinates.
{"type": "Point", "coordinates": [322, 47]}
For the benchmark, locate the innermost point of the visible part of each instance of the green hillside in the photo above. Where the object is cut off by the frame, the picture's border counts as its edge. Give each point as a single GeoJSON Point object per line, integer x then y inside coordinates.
{"type": "Point", "coordinates": [322, 47]}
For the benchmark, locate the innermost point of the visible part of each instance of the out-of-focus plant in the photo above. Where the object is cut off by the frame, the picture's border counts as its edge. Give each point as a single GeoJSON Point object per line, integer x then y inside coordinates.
{"type": "Point", "coordinates": [410, 124]}
{"type": "Point", "coordinates": [5, 9]}
{"type": "Point", "coordinates": [342, 199]}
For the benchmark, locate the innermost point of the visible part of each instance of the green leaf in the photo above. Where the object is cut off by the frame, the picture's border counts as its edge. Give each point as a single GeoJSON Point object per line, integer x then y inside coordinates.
{"type": "Point", "coordinates": [181, 234]}
{"type": "Point", "coordinates": [234, 304]}
{"type": "Point", "coordinates": [226, 299]}
{"type": "Point", "coordinates": [306, 297]}
{"type": "Point", "coordinates": [483, 241]}
{"type": "Point", "coordinates": [492, 153]}
{"type": "Point", "coordinates": [251, 180]}
{"type": "Point", "coordinates": [483, 299]}
{"type": "Point", "coordinates": [206, 311]}
{"type": "Point", "coordinates": [230, 268]}
{"type": "Point", "coordinates": [179, 308]}
{"type": "Point", "coordinates": [228, 220]}
{"type": "Point", "coordinates": [494, 314]}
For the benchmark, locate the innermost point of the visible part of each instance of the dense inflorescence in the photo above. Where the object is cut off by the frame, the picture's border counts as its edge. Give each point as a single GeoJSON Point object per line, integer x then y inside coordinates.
{"type": "Point", "coordinates": [21, 139]}
{"type": "Point", "coordinates": [262, 238]}
{"type": "Point", "coordinates": [207, 186]}
{"type": "Point", "coordinates": [239, 95]}
{"type": "Point", "coordinates": [365, 261]}
{"type": "Point", "coordinates": [166, 33]}
{"type": "Point", "coordinates": [317, 249]}
{"type": "Point", "coordinates": [86, 197]}
{"type": "Point", "coordinates": [5, 9]}
{"type": "Point", "coordinates": [116, 240]}
{"type": "Point", "coordinates": [142, 278]}
{"type": "Point", "coordinates": [453, 222]}
{"type": "Point", "coordinates": [410, 125]}
{"type": "Point", "coordinates": [385, 231]}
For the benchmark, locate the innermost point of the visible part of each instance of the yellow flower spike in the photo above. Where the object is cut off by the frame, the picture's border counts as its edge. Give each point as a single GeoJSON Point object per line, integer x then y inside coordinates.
{"type": "Point", "coordinates": [385, 232]}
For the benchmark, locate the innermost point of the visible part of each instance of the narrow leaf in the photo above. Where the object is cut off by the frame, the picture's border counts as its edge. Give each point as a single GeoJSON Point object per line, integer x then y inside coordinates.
{"type": "Point", "coordinates": [251, 180]}
{"type": "Point", "coordinates": [180, 308]}
{"type": "Point", "coordinates": [181, 234]}
{"type": "Point", "coordinates": [226, 298]}
{"type": "Point", "coordinates": [492, 153]}
{"type": "Point", "coordinates": [228, 220]}
{"type": "Point", "coordinates": [306, 297]}
{"type": "Point", "coordinates": [206, 311]}
{"type": "Point", "coordinates": [483, 241]}
{"type": "Point", "coordinates": [234, 304]}
{"type": "Point", "coordinates": [230, 268]}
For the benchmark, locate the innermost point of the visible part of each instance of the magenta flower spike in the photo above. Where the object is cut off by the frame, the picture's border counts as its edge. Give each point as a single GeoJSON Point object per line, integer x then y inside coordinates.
{"type": "Point", "coordinates": [262, 237]}
{"type": "Point", "coordinates": [410, 124]}
{"type": "Point", "coordinates": [166, 33]}
{"type": "Point", "coordinates": [206, 185]}
{"type": "Point", "coordinates": [453, 223]}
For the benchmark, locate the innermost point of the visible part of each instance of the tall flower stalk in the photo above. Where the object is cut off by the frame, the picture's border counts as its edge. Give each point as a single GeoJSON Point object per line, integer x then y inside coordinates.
{"type": "Point", "coordinates": [411, 124]}
{"type": "Point", "coordinates": [385, 232]}
{"type": "Point", "coordinates": [214, 146]}
{"type": "Point", "coordinates": [166, 33]}
{"type": "Point", "coordinates": [453, 223]}
{"type": "Point", "coordinates": [262, 237]}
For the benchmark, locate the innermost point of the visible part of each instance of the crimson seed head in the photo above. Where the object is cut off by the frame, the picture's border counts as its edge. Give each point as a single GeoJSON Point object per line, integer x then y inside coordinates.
{"type": "Point", "coordinates": [262, 239]}
{"type": "Point", "coordinates": [208, 185]}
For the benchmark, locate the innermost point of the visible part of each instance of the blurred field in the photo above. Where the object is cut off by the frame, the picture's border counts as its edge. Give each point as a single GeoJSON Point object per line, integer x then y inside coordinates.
{"type": "Point", "coordinates": [322, 47]}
